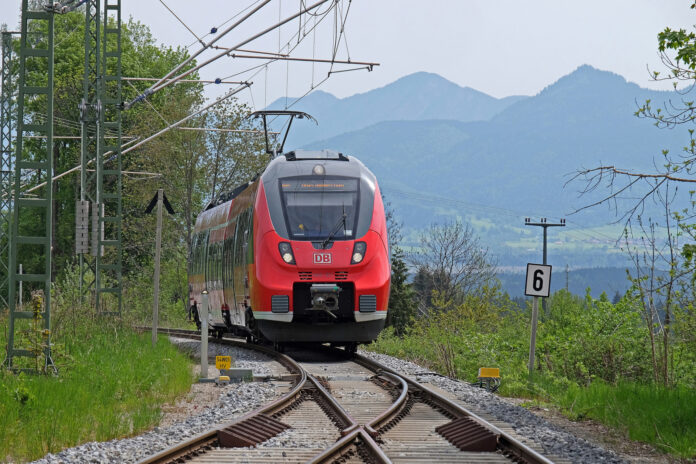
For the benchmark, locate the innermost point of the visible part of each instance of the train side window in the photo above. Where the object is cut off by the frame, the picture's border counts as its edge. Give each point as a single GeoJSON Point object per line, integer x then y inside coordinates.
{"type": "Point", "coordinates": [196, 254]}
{"type": "Point", "coordinates": [192, 255]}
{"type": "Point", "coordinates": [204, 255]}
{"type": "Point", "coordinates": [218, 263]}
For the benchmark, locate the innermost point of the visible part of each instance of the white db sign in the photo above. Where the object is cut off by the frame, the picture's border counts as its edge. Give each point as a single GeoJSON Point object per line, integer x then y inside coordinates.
{"type": "Point", "coordinates": [322, 258]}
{"type": "Point", "coordinates": [538, 280]}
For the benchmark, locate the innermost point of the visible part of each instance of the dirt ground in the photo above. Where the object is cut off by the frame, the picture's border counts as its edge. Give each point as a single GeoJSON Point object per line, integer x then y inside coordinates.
{"type": "Point", "coordinates": [200, 397]}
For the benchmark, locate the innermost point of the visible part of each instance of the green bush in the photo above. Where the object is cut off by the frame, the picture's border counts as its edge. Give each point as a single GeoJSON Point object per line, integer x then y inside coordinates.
{"type": "Point", "coordinates": [592, 359]}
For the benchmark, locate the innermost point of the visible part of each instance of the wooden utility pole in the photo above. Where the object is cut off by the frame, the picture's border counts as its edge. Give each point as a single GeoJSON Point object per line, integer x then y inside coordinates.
{"type": "Point", "coordinates": [158, 246]}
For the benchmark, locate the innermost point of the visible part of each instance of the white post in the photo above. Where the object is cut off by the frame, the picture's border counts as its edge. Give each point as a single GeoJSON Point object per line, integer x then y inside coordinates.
{"type": "Point", "coordinates": [532, 343]}
{"type": "Point", "coordinates": [204, 336]}
{"type": "Point", "coordinates": [158, 246]}
{"type": "Point", "coordinates": [20, 288]}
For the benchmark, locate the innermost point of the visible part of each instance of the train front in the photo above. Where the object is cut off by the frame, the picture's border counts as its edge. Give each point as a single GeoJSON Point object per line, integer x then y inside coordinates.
{"type": "Point", "coordinates": [321, 268]}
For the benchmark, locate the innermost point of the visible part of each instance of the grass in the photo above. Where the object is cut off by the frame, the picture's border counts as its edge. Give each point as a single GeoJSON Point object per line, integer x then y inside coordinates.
{"type": "Point", "coordinates": [111, 384]}
{"type": "Point", "coordinates": [661, 416]}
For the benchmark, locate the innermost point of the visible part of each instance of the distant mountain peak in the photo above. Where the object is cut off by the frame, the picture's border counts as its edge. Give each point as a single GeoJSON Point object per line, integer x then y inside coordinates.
{"type": "Point", "coordinates": [587, 77]}
{"type": "Point", "coordinates": [588, 71]}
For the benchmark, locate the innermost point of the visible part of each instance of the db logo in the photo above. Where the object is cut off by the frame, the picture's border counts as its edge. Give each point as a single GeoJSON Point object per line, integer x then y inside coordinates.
{"type": "Point", "coordinates": [322, 258]}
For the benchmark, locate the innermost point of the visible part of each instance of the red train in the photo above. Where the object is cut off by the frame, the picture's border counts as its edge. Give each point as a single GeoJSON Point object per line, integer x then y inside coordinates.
{"type": "Point", "coordinates": [299, 254]}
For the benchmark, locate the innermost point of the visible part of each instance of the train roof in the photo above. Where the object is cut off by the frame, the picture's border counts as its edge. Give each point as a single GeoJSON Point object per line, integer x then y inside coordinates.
{"type": "Point", "coordinates": [302, 162]}
{"type": "Point", "coordinates": [292, 164]}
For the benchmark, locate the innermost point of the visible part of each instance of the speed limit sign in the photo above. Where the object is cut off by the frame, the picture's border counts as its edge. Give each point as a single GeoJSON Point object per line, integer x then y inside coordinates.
{"type": "Point", "coordinates": [538, 280]}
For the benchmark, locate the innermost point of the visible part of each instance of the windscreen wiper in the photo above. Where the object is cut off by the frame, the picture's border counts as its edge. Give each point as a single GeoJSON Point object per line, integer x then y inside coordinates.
{"type": "Point", "coordinates": [337, 227]}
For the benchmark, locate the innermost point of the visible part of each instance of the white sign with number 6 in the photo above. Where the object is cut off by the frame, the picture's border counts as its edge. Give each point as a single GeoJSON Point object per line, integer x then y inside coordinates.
{"type": "Point", "coordinates": [538, 280]}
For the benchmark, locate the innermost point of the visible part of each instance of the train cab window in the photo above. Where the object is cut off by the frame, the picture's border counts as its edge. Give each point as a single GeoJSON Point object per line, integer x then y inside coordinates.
{"type": "Point", "coordinates": [314, 207]}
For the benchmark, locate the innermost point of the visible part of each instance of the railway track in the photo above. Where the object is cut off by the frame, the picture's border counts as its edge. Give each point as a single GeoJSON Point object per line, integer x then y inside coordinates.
{"type": "Point", "coordinates": [350, 410]}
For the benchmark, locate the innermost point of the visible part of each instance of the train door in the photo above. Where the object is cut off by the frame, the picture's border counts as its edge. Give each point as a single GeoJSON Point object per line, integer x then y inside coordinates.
{"type": "Point", "coordinates": [201, 262]}
{"type": "Point", "coordinates": [214, 313]}
{"type": "Point", "coordinates": [241, 240]}
{"type": "Point", "coordinates": [236, 316]}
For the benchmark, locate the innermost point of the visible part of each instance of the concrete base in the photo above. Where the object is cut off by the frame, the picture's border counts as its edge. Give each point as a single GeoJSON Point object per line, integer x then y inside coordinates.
{"type": "Point", "coordinates": [206, 380]}
{"type": "Point", "coordinates": [238, 374]}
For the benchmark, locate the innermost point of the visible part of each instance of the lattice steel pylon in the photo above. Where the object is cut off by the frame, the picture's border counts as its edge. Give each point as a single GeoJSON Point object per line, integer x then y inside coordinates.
{"type": "Point", "coordinates": [33, 163]}
{"type": "Point", "coordinates": [89, 118]}
{"type": "Point", "coordinates": [100, 188]}
{"type": "Point", "coordinates": [109, 253]}
{"type": "Point", "coordinates": [6, 116]}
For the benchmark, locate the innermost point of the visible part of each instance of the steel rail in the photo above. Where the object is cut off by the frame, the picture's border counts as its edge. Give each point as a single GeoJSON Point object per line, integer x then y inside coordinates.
{"type": "Point", "coordinates": [344, 444]}
{"type": "Point", "coordinates": [210, 437]}
{"type": "Point", "coordinates": [365, 433]}
{"type": "Point", "coordinates": [506, 441]}
{"type": "Point", "coordinates": [207, 439]}
{"type": "Point", "coordinates": [354, 434]}
{"type": "Point", "coordinates": [372, 426]}
{"type": "Point", "coordinates": [350, 423]}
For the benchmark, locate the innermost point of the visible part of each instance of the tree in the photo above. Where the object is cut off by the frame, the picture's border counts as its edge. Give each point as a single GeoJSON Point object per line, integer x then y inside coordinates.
{"type": "Point", "coordinates": [233, 157]}
{"type": "Point", "coordinates": [451, 261]}
{"type": "Point", "coordinates": [402, 298]}
{"type": "Point", "coordinates": [659, 262]}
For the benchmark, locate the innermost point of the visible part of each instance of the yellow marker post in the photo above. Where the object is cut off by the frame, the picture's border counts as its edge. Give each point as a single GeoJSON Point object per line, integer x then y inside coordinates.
{"type": "Point", "coordinates": [223, 362]}
{"type": "Point", "coordinates": [489, 378]}
{"type": "Point", "coordinates": [489, 372]}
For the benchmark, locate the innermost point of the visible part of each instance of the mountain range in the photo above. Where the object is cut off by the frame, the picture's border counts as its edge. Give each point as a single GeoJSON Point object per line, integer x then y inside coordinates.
{"type": "Point", "coordinates": [416, 97]}
{"type": "Point", "coordinates": [442, 151]}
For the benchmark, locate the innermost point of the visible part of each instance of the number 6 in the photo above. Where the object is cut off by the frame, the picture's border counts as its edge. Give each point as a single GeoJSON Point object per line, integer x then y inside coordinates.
{"type": "Point", "coordinates": [538, 282]}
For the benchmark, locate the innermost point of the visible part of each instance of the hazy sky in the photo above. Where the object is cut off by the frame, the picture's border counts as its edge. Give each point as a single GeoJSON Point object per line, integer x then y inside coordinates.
{"type": "Point", "coordinates": [499, 47]}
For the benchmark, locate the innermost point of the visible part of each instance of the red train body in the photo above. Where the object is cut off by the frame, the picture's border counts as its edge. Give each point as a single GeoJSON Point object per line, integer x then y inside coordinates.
{"type": "Point", "coordinates": [298, 255]}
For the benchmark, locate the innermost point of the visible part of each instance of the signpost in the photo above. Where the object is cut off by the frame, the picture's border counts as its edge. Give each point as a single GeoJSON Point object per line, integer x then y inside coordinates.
{"type": "Point", "coordinates": [223, 362]}
{"type": "Point", "coordinates": [538, 283]}
{"type": "Point", "coordinates": [204, 338]}
{"type": "Point", "coordinates": [159, 199]}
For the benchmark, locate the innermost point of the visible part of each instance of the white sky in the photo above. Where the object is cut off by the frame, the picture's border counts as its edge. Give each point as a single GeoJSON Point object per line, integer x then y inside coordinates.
{"type": "Point", "coordinates": [502, 48]}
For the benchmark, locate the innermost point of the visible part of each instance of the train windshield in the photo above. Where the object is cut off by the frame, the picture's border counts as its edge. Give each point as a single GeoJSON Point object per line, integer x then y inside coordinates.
{"type": "Point", "coordinates": [319, 207]}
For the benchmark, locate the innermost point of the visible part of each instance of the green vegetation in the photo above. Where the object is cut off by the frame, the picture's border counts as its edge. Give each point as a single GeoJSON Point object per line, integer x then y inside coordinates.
{"type": "Point", "coordinates": [111, 384]}
{"type": "Point", "coordinates": [662, 416]}
{"type": "Point", "coordinates": [593, 359]}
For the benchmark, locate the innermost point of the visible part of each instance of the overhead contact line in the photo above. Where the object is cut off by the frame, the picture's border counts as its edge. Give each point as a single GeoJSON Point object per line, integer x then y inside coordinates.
{"type": "Point", "coordinates": [164, 81]}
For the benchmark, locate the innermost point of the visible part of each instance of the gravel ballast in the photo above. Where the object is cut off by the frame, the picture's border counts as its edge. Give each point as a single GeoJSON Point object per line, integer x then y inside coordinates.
{"type": "Point", "coordinates": [551, 438]}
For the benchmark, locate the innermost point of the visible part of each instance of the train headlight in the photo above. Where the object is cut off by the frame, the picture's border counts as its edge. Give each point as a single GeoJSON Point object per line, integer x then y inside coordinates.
{"type": "Point", "coordinates": [286, 252]}
{"type": "Point", "coordinates": [358, 252]}
{"type": "Point", "coordinates": [319, 170]}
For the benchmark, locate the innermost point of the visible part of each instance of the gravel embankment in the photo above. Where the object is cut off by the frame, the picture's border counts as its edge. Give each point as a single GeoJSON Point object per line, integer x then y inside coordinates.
{"type": "Point", "coordinates": [195, 416]}
{"type": "Point", "coordinates": [551, 438]}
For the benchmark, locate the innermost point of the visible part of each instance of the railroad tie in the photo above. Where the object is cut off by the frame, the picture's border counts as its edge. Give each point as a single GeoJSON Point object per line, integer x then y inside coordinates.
{"type": "Point", "coordinates": [250, 432]}
{"type": "Point", "coordinates": [468, 435]}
